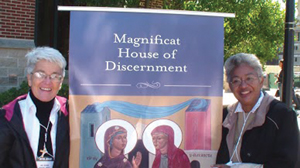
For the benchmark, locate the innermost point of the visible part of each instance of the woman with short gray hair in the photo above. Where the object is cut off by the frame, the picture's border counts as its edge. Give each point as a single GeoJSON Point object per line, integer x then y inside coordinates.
{"type": "Point", "coordinates": [34, 128]}
{"type": "Point", "coordinates": [258, 130]}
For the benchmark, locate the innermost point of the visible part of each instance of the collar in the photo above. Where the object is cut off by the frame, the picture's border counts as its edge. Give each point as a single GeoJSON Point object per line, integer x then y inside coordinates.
{"type": "Point", "coordinates": [32, 108]}
{"type": "Point", "coordinates": [255, 107]}
{"type": "Point", "coordinates": [260, 113]}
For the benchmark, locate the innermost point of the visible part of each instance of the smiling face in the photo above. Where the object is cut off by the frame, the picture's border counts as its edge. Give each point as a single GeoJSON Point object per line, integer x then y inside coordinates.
{"type": "Point", "coordinates": [160, 142]}
{"type": "Point", "coordinates": [119, 142]}
{"type": "Point", "coordinates": [248, 92]}
{"type": "Point", "coordinates": [45, 89]}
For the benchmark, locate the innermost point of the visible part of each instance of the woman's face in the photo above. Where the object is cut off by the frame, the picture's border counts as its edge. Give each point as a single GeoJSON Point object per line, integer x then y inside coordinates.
{"type": "Point", "coordinates": [45, 89]}
{"type": "Point", "coordinates": [247, 89]}
{"type": "Point", "coordinates": [160, 140]}
{"type": "Point", "coordinates": [120, 141]}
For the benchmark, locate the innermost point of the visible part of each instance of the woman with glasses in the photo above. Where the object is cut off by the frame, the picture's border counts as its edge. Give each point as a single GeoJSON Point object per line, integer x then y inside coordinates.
{"type": "Point", "coordinates": [34, 128]}
{"type": "Point", "coordinates": [258, 130]}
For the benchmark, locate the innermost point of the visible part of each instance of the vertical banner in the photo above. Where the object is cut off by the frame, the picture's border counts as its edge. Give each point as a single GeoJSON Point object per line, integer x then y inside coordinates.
{"type": "Point", "coordinates": [145, 89]}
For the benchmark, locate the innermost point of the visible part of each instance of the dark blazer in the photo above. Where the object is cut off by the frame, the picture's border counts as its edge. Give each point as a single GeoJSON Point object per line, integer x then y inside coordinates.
{"type": "Point", "coordinates": [15, 149]}
{"type": "Point", "coordinates": [264, 144]}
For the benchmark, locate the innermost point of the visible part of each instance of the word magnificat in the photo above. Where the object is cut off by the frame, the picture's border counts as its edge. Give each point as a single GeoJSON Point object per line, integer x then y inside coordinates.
{"type": "Point", "coordinates": [137, 41]}
{"type": "Point", "coordinates": [133, 53]}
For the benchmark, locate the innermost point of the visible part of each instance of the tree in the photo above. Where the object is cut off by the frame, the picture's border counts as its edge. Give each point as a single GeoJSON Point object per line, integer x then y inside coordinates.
{"type": "Point", "coordinates": [258, 26]}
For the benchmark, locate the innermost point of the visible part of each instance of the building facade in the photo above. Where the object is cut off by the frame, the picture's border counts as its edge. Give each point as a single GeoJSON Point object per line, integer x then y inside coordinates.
{"type": "Point", "coordinates": [16, 38]}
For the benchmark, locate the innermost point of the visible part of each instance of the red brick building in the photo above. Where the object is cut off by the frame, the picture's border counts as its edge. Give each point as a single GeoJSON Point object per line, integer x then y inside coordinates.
{"type": "Point", "coordinates": [17, 19]}
{"type": "Point", "coordinates": [16, 38]}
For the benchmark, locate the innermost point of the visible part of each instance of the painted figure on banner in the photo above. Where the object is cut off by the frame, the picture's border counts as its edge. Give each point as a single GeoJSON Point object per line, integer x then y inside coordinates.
{"type": "Point", "coordinates": [34, 128]}
{"type": "Point", "coordinates": [167, 154]}
{"type": "Point", "coordinates": [115, 141]}
{"type": "Point", "coordinates": [258, 130]}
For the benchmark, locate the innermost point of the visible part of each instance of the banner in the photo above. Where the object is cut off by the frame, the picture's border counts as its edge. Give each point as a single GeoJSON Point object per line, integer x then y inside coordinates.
{"type": "Point", "coordinates": [145, 88]}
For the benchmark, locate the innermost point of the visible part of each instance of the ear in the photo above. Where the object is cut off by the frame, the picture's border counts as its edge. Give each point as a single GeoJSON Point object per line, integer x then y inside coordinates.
{"type": "Point", "coordinates": [230, 87]}
{"type": "Point", "coordinates": [262, 81]}
{"type": "Point", "coordinates": [60, 85]}
{"type": "Point", "coordinates": [29, 79]}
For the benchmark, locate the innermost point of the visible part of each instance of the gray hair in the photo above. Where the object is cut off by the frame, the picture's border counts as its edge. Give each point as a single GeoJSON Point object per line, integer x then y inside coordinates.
{"type": "Point", "coordinates": [45, 53]}
{"type": "Point", "coordinates": [242, 58]}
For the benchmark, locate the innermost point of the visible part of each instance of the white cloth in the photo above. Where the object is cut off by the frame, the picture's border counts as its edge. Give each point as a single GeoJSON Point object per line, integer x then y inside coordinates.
{"type": "Point", "coordinates": [32, 124]}
{"type": "Point", "coordinates": [255, 107]}
{"type": "Point", "coordinates": [245, 165]}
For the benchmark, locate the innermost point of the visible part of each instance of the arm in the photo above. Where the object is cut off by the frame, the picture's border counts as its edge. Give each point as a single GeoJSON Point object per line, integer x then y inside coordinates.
{"type": "Point", "coordinates": [6, 140]}
{"type": "Point", "coordinates": [284, 154]}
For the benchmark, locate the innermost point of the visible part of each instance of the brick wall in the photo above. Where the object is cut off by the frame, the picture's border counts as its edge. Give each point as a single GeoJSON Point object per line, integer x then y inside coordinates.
{"type": "Point", "coordinates": [17, 19]}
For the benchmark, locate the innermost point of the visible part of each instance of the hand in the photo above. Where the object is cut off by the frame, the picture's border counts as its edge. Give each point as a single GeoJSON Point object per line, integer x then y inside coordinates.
{"type": "Point", "coordinates": [136, 161]}
{"type": "Point", "coordinates": [220, 166]}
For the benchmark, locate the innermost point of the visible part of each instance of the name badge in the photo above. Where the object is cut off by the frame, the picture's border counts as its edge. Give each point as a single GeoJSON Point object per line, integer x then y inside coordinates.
{"type": "Point", "coordinates": [44, 164]}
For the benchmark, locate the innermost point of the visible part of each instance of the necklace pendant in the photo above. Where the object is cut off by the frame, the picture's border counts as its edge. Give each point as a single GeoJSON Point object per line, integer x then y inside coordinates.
{"type": "Point", "coordinates": [44, 151]}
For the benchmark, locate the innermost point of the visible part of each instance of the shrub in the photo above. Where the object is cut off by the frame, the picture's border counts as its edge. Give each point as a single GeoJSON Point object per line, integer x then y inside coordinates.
{"type": "Point", "coordinates": [11, 94]}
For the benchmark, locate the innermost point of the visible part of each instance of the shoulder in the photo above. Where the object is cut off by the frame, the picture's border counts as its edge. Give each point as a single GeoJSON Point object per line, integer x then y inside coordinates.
{"type": "Point", "coordinates": [280, 113]}
{"type": "Point", "coordinates": [279, 108]}
{"type": "Point", "coordinates": [8, 109]}
{"type": "Point", "coordinates": [64, 105]}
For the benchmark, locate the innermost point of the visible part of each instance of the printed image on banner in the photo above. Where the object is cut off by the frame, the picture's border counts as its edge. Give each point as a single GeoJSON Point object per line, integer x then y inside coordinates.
{"type": "Point", "coordinates": [145, 89]}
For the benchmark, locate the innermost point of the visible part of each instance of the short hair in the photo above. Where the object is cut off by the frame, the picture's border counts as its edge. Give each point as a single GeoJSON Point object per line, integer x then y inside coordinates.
{"type": "Point", "coordinates": [45, 53]}
{"type": "Point", "coordinates": [242, 58]}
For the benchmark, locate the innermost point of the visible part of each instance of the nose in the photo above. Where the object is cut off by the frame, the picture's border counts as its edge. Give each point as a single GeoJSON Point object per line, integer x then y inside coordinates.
{"type": "Point", "coordinates": [47, 79]}
{"type": "Point", "coordinates": [243, 83]}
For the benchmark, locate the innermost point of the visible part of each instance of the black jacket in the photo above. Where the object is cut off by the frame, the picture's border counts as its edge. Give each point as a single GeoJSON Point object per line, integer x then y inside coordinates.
{"type": "Point", "coordinates": [273, 144]}
{"type": "Point", "coordinates": [15, 149]}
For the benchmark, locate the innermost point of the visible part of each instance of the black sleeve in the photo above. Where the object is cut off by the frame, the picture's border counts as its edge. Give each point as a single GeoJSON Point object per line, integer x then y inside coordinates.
{"type": "Point", "coordinates": [6, 140]}
{"type": "Point", "coordinates": [284, 154]}
{"type": "Point", "coordinates": [223, 153]}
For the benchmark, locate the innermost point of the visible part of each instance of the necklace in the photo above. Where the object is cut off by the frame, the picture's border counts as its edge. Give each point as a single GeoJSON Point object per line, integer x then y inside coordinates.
{"type": "Point", "coordinates": [45, 151]}
{"type": "Point", "coordinates": [237, 144]}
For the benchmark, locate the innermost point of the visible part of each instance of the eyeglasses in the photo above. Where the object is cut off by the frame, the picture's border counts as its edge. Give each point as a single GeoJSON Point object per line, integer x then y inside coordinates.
{"type": "Point", "coordinates": [53, 77]}
{"type": "Point", "coordinates": [238, 81]}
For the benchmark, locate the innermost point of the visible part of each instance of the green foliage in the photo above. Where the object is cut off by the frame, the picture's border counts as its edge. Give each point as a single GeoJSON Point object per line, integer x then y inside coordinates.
{"type": "Point", "coordinates": [11, 94]}
{"type": "Point", "coordinates": [64, 90]}
{"type": "Point", "coordinates": [173, 4]}
{"type": "Point", "coordinates": [258, 26]}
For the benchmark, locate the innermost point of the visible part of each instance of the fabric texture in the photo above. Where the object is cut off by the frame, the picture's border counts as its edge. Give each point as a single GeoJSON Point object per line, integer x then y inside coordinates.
{"type": "Point", "coordinates": [270, 139]}
{"type": "Point", "coordinates": [15, 149]}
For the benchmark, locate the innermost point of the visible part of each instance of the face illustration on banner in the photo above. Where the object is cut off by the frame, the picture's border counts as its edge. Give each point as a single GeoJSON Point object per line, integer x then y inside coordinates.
{"type": "Point", "coordinates": [119, 141]}
{"type": "Point", "coordinates": [124, 132]}
{"type": "Point", "coordinates": [160, 141]}
{"type": "Point", "coordinates": [166, 152]}
{"type": "Point", "coordinates": [115, 144]}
